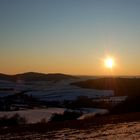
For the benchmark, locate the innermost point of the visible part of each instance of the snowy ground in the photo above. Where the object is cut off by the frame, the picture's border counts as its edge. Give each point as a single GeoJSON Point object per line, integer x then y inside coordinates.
{"type": "Point", "coordinates": [34, 115]}
{"type": "Point", "coordinates": [53, 91]}
{"type": "Point", "coordinates": [91, 112]}
{"type": "Point", "coordinates": [120, 131]}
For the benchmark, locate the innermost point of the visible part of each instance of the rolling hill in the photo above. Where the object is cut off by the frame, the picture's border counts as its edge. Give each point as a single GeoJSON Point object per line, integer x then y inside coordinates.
{"type": "Point", "coordinates": [121, 86]}
{"type": "Point", "coordinates": [34, 76]}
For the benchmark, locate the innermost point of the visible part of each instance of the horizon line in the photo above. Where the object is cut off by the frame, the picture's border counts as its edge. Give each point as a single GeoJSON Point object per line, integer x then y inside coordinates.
{"type": "Point", "coordinates": [94, 75]}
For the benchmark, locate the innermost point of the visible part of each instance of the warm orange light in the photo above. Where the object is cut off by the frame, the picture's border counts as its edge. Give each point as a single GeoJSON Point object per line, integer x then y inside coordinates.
{"type": "Point", "coordinates": [109, 62]}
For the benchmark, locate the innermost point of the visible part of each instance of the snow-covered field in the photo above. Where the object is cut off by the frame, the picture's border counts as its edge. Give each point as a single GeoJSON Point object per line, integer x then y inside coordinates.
{"type": "Point", "coordinates": [91, 112]}
{"type": "Point", "coordinates": [53, 91]}
{"type": "Point", "coordinates": [37, 115]}
{"type": "Point", "coordinates": [6, 93]}
{"type": "Point", "coordinates": [60, 91]}
{"type": "Point", "coordinates": [34, 115]}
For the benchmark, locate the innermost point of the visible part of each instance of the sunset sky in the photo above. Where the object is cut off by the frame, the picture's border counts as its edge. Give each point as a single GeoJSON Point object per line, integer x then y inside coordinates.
{"type": "Point", "coordinates": [70, 36]}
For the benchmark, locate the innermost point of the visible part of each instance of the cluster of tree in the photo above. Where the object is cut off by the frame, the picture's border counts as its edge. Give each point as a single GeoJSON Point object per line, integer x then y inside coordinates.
{"type": "Point", "coordinates": [9, 103]}
{"type": "Point", "coordinates": [12, 121]}
{"type": "Point", "coordinates": [86, 102]}
{"type": "Point", "coordinates": [68, 115]}
{"type": "Point", "coordinates": [131, 104]}
{"type": "Point", "coordinates": [121, 86]}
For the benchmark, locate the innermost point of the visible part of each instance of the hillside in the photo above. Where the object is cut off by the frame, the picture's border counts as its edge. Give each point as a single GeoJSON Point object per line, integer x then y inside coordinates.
{"type": "Point", "coordinates": [121, 86]}
{"type": "Point", "coordinates": [129, 87]}
{"type": "Point", "coordinates": [34, 76]}
{"type": "Point", "coordinates": [6, 77]}
{"type": "Point", "coordinates": [126, 126]}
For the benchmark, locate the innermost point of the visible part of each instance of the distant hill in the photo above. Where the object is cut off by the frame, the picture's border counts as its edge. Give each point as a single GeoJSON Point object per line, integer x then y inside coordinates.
{"type": "Point", "coordinates": [34, 76]}
{"type": "Point", "coordinates": [121, 86]}
{"type": "Point", "coordinates": [6, 77]}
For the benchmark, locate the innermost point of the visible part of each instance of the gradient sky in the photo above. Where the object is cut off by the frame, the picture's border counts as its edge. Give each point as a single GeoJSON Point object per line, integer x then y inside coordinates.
{"type": "Point", "coordinates": [69, 36]}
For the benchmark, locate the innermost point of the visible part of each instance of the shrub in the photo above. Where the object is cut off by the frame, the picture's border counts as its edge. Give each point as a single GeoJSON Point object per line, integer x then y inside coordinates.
{"type": "Point", "coordinates": [66, 116]}
{"type": "Point", "coordinates": [12, 121]}
{"type": "Point", "coordinates": [81, 102]}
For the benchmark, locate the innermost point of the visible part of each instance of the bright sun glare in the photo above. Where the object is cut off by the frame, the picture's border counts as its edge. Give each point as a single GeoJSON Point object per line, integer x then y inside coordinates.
{"type": "Point", "coordinates": [109, 62]}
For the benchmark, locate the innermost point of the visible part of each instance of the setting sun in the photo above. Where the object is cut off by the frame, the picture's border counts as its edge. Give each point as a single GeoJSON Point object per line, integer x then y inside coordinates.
{"type": "Point", "coordinates": [109, 62]}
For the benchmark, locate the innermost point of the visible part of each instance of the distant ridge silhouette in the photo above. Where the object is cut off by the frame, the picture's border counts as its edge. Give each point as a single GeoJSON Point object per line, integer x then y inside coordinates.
{"type": "Point", "coordinates": [34, 76]}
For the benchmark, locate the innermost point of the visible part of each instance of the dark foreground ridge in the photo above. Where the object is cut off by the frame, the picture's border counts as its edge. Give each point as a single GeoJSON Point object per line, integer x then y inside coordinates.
{"type": "Point", "coordinates": [93, 122]}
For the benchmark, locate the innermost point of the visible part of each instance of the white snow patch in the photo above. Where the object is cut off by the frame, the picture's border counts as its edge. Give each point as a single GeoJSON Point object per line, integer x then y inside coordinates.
{"type": "Point", "coordinates": [91, 112]}
{"type": "Point", "coordinates": [50, 91]}
{"type": "Point", "coordinates": [34, 115]}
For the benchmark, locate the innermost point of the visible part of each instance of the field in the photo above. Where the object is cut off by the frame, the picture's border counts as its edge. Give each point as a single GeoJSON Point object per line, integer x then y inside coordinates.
{"type": "Point", "coordinates": [125, 126]}
{"type": "Point", "coordinates": [81, 110]}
